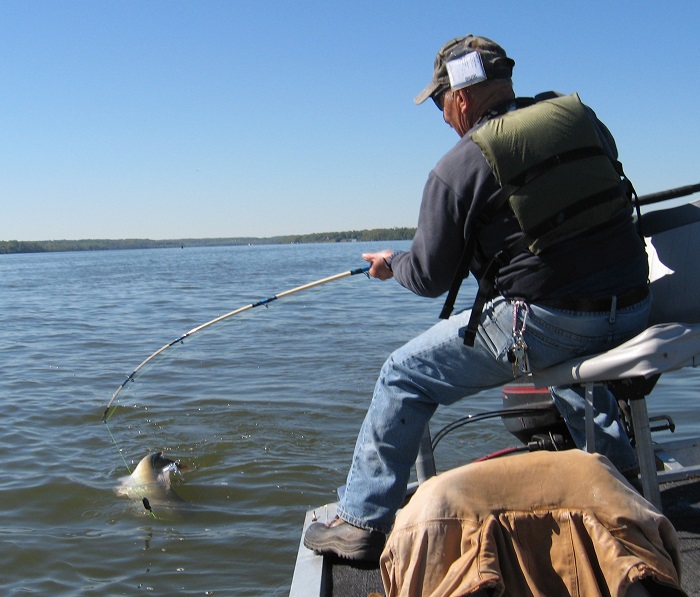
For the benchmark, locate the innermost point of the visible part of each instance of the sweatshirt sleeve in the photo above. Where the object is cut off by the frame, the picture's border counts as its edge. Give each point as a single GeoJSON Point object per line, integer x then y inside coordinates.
{"type": "Point", "coordinates": [457, 190]}
{"type": "Point", "coordinates": [428, 268]}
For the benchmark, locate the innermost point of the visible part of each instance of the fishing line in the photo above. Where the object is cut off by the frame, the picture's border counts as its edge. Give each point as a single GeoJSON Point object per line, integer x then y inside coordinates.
{"type": "Point", "coordinates": [144, 501]}
{"type": "Point", "coordinates": [116, 445]}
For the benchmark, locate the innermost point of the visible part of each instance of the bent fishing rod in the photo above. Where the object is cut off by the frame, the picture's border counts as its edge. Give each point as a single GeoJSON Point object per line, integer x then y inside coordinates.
{"type": "Point", "coordinates": [109, 410]}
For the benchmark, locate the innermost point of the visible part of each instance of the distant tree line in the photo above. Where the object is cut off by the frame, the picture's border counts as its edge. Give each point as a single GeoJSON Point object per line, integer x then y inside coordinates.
{"type": "Point", "coordinates": [378, 234]}
{"type": "Point", "coordinates": [47, 246]}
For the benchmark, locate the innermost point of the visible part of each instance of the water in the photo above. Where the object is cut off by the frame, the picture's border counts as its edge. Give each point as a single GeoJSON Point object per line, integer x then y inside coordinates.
{"type": "Point", "coordinates": [264, 409]}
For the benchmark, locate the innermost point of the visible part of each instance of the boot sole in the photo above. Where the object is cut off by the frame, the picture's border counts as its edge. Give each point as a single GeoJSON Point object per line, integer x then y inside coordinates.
{"type": "Point", "coordinates": [348, 551]}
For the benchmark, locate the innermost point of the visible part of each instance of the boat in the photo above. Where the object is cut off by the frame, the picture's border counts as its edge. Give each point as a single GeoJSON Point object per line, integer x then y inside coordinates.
{"type": "Point", "coordinates": [669, 475]}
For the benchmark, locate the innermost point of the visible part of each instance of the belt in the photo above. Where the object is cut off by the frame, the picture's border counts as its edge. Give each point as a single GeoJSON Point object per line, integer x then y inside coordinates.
{"type": "Point", "coordinates": [627, 299]}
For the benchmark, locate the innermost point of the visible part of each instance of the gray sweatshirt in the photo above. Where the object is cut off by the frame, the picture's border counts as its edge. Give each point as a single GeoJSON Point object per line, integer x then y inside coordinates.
{"type": "Point", "coordinates": [458, 191]}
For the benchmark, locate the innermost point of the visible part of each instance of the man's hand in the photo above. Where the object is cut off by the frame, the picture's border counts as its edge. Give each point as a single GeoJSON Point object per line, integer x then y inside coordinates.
{"type": "Point", "coordinates": [379, 268]}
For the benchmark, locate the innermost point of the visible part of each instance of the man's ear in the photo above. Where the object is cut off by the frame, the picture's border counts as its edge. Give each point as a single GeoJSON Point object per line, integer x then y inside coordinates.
{"type": "Point", "coordinates": [462, 100]}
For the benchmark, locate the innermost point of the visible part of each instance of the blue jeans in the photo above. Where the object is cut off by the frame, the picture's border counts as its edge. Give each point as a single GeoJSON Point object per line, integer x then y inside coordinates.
{"type": "Point", "coordinates": [437, 368]}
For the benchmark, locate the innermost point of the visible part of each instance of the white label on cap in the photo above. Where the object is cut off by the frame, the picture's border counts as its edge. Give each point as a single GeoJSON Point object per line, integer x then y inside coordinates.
{"type": "Point", "coordinates": [466, 70]}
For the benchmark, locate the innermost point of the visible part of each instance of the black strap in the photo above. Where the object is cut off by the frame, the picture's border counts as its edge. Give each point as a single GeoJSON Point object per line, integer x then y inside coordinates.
{"type": "Point", "coordinates": [581, 206]}
{"type": "Point", "coordinates": [463, 266]}
{"type": "Point", "coordinates": [566, 157]}
{"type": "Point", "coordinates": [460, 273]}
{"type": "Point", "coordinates": [634, 198]}
{"type": "Point", "coordinates": [487, 289]}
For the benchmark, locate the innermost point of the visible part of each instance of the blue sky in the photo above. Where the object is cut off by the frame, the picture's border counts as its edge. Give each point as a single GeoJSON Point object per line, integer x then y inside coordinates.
{"type": "Point", "coordinates": [212, 118]}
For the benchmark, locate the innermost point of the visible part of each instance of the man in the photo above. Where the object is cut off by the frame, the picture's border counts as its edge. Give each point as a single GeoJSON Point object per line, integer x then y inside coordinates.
{"type": "Point", "coordinates": [572, 284]}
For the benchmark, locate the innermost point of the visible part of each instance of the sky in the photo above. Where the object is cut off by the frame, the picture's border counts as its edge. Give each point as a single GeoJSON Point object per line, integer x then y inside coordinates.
{"type": "Point", "coordinates": [226, 118]}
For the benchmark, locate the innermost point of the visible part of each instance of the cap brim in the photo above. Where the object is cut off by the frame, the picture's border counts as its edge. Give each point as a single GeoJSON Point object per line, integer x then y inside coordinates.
{"type": "Point", "coordinates": [426, 93]}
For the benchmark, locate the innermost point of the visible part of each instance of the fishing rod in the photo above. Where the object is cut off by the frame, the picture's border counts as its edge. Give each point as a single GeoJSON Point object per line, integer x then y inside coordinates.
{"type": "Point", "coordinates": [109, 410]}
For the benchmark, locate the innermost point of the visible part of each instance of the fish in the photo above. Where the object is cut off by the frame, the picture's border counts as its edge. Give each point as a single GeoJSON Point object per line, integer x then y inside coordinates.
{"type": "Point", "coordinates": [151, 484]}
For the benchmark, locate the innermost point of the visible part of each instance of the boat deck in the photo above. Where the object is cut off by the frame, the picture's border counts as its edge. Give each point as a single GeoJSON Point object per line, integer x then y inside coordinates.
{"type": "Point", "coordinates": [681, 504]}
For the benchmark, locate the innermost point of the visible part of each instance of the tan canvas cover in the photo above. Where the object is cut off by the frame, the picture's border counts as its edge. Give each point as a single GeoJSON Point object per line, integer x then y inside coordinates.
{"type": "Point", "coordinates": [549, 524]}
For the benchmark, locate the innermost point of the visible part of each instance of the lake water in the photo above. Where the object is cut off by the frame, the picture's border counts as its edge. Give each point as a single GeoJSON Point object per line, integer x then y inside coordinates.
{"type": "Point", "coordinates": [263, 409]}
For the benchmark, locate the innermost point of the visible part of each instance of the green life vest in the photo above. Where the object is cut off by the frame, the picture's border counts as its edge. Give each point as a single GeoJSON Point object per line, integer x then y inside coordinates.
{"type": "Point", "coordinates": [551, 165]}
{"type": "Point", "coordinates": [560, 182]}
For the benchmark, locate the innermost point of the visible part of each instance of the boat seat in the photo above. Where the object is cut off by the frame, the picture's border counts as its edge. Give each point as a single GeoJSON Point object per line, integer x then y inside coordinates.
{"type": "Point", "coordinates": [672, 342]}
{"type": "Point", "coordinates": [659, 349]}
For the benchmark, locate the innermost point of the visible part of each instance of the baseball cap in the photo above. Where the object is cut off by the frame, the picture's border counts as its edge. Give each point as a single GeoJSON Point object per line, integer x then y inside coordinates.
{"type": "Point", "coordinates": [495, 64]}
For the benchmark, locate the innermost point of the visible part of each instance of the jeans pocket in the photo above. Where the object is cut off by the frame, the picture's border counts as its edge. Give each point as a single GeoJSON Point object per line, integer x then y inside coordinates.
{"type": "Point", "coordinates": [495, 330]}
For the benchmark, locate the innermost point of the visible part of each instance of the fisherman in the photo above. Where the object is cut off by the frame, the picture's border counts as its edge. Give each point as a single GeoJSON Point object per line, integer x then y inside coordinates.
{"type": "Point", "coordinates": [534, 204]}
